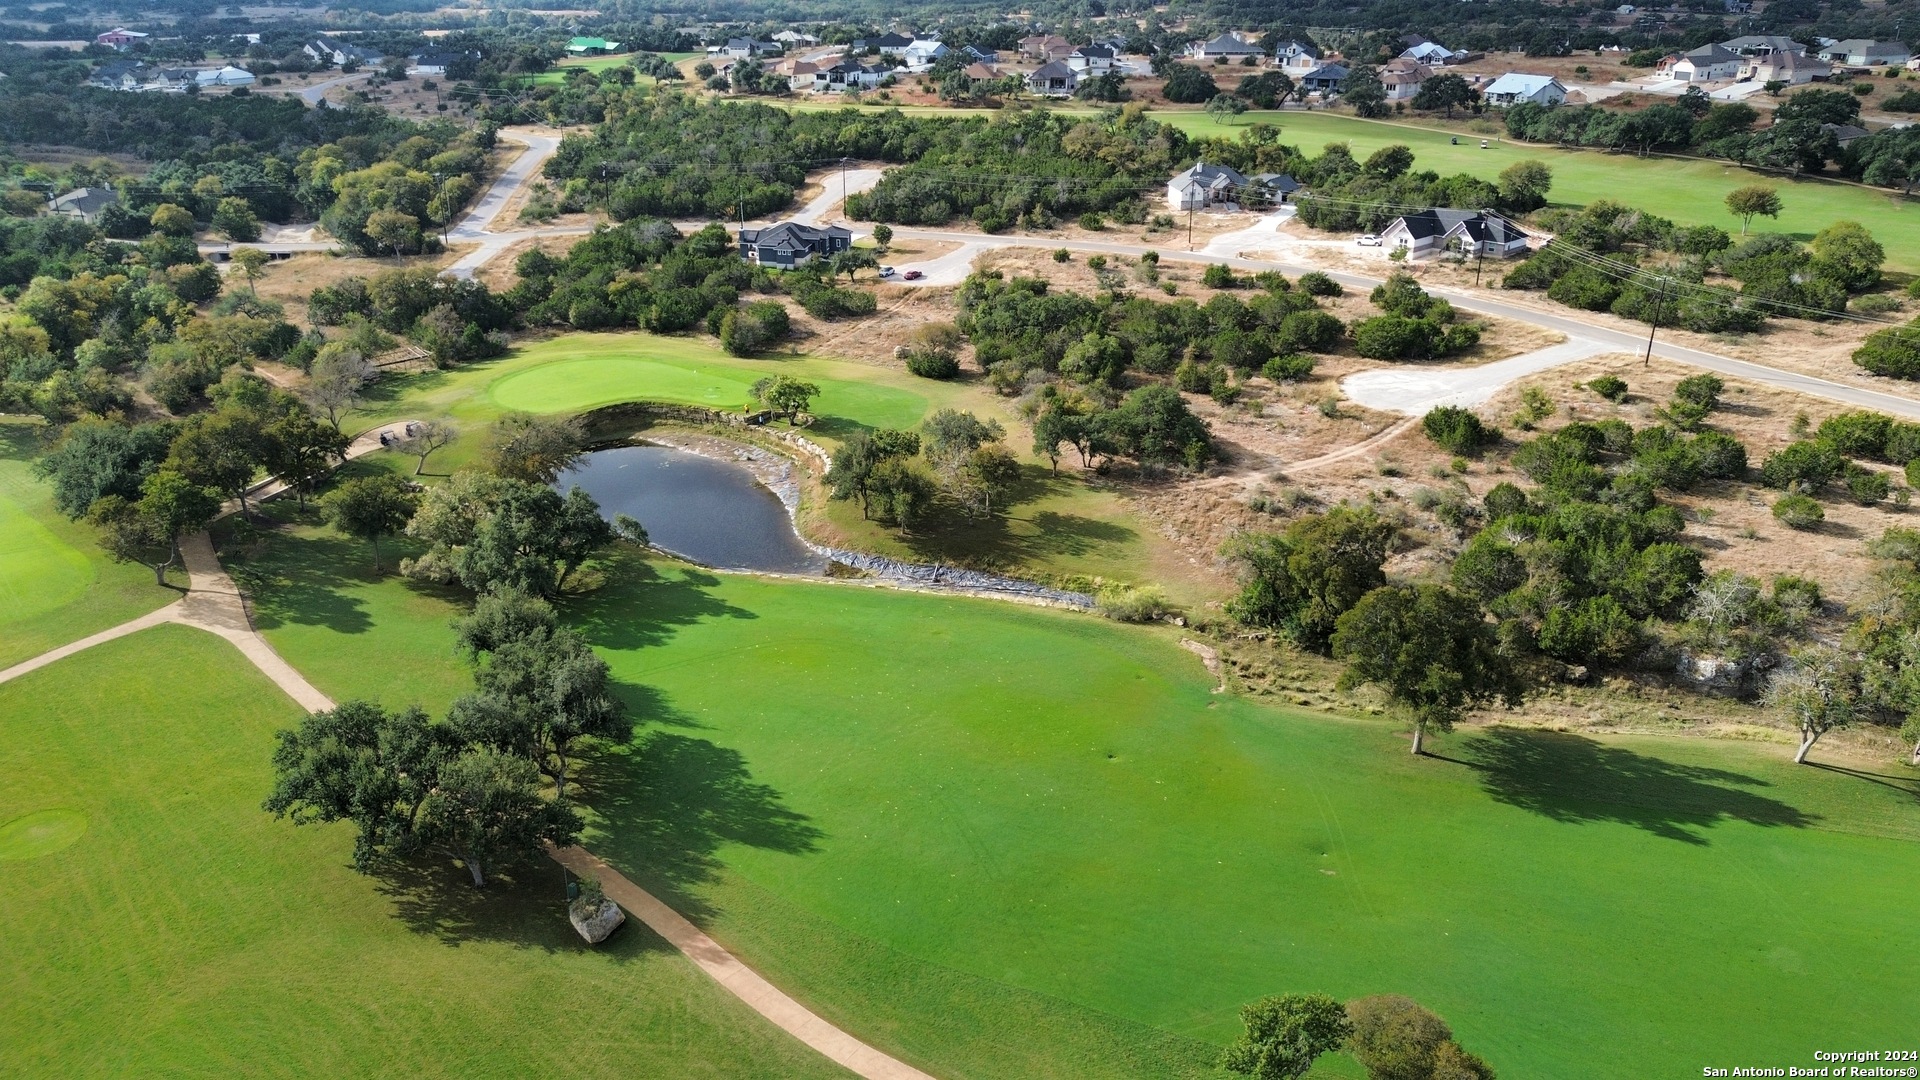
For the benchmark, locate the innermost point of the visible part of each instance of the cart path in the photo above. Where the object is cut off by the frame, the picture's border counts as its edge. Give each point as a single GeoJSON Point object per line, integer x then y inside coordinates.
{"type": "Point", "coordinates": [214, 603]}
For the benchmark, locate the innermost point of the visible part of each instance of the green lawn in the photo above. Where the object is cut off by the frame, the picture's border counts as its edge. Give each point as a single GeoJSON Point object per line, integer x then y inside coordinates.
{"type": "Point", "coordinates": [1013, 842]}
{"type": "Point", "coordinates": [56, 585]}
{"type": "Point", "coordinates": [183, 932]}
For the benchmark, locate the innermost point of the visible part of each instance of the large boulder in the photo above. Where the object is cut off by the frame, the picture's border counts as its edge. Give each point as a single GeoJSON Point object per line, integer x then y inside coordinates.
{"type": "Point", "coordinates": [595, 924]}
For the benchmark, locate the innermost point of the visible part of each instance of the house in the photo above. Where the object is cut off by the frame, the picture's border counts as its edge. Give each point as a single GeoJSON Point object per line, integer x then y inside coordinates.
{"type": "Point", "coordinates": [1276, 187]}
{"type": "Point", "coordinates": [1226, 46]}
{"type": "Point", "coordinates": [1845, 133]}
{"type": "Point", "coordinates": [1044, 47]}
{"type": "Point", "coordinates": [974, 54]}
{"type": "Point", "coordinates": [923, 53]}
{"type": "Point", "coordinates": [848, 75]}
{"type": "Point", "coordinates": [800, 74]}
{"type": "Point", "coordinates": [591, 46]}
{"type": "Point", "coordinates": [888, 44]}
{"type": "Point", "coordinates": [1625, 9]}
{"type": "Point", "coordinates": [84, 203]}
{"type": "Point", "coordinates": [787, 244]}
{"type": "Point", "coordinates": [434, 61]}
{"type": "Point", "coordinates": [1792, 68]}
{"type": "Point", "coordinates": [120, 38]}
{"type": "Point", "coordinates": [980, 72]}
{"type": "Point", "coordinates": [1091, 61]}
{"type": "Point", "coordinates": [1763, 45]}
{"type": "Point", "coordinates": [329, 50]}
{"type": "Point", "coordinates": [119, 75]}
{"type": "Point", "coordinates": [1864, 52]}
{"type": "Point", "coordinates": [794, 39]}
{"type": "Point", "coordinates": [226, 76]}
{"type": "Point", "coordinates": [1327, 79]}
{"type": "Point", "coordinates": [1474, 232]}
{"type": "Point", "coordinates": [1054, 79]}
{"type": "Point", "coordinates": [742, 49]}
{"type": "Point", "coordinates": [1205, 185]}
{"type": "Point", "coordinates": [1429, 52]}
{"type": "Point", "coordinates": [1296, 57]}
{"type": "Point", "coordinates": [1708, 63]}
{"type": "Point", "coordinates": [1403, 78]}
{"type": "Point", "coordinates": [1516, 87]}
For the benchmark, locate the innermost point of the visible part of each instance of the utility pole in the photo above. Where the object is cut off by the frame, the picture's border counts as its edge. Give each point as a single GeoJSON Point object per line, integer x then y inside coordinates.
{"type": "Point", "coordinates": [843, 189]}
{"type": "Point", "coordinates": [1189, 227]}
{"type": "Point", "coordinates": [1478, 262]}
{"type": "Point", "coordinates": [1659, 298]}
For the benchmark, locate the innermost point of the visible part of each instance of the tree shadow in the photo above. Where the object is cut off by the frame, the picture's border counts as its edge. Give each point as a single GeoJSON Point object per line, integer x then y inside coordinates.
{"type": "Point", "coordinates": [300, 583]}
{"type": "Point", "coordinates": [669, 802]}
{"type": "Point", "coordinates": [525, 905]}
{"type": "Point", "coordinates": [644, 602]}
{"type": "Point", "coordinates": [1574, 779]}
{"type": "Point", "coordinates": [994, 541]}
{"type": "Point", "coordinates": [1905, 785]}
{"type": "Point", "coordinates": [23, 441]}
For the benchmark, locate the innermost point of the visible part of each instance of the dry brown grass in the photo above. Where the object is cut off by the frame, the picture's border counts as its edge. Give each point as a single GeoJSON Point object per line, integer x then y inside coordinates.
{"type": "Point", "coordinates": [291, 281]}
{"type": "Point", "coordinates": [497, 273]}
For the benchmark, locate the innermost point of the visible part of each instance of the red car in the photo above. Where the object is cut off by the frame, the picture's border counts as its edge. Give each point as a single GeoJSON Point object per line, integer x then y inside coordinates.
{"type": "Point", "coordinates": [913, 275]}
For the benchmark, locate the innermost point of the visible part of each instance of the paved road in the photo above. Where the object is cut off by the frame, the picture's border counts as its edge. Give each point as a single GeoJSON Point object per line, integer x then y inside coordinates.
{"type": "Point", "coordinates": [477, 227]}
{"type": "Point", "coordinates": [1412, 389]}
{"type": "Point", "coordinates": [316, 95]}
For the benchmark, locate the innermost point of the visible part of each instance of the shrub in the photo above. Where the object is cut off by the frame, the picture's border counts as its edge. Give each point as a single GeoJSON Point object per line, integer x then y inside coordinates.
{"type": "Point", "coordinates": [1133, 603]}
{"type": "Point", "coordinates": [1061, 255]}
{"type": "Point", "coordinates": [1096, 262]}
{"type": "Point", "coordinates": [1308, 331]}
{"type": "Point", "coordinates": [1798, 511]}
{"type": "Point", "coordinates": [1594, 629]}
{"type": "Point", "coordinates": [1877, 303]}
{"type": "Point", "coordinates": [1611, 387]}
{"type": "Point", "coordinates": [1459, 430]}
{"type": "Point", "coordinates": [1192, 378]}
{"type": "Point", "coordinates": [1894, 352]}
{"type": "Point", "coordinates": [1291, 367]}
{"type": "Point", "coordinates": [1504, 500]}
{"type": "Point", "coordinates": [1701, 390]}
{"type": "Point", "coordinates": [933, 365]}
{"type": "Point", "coordinates": [1316, 283]}
{"type": "Point", "coordinates": [1396, 337]}
{"type": "Point", "coordinates": [1866, 486]}
{"type": "Point", "coordinates": [1810, 464]}
{"type": "Point", "coordinates": [1857, 434]}
{"type": "Point", "coordinates": [1217, 276]}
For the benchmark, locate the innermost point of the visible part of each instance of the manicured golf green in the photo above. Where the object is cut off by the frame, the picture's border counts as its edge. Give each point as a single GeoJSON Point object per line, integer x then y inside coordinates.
{"type": "Point", "coordinates": [972, 830]}
{"type": "Point", "coordinates": [183, 932]}
{"type": "Point", "coordinates": [56, 585]}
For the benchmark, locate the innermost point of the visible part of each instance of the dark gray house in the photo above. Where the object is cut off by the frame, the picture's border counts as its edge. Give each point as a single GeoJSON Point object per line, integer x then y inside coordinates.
{"type": "Point", "coordinates": [787, 244]}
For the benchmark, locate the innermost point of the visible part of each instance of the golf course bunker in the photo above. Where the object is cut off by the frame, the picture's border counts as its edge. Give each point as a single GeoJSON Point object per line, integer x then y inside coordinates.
{"type": "Point", "coordinates": [701, 508]}
{"type": "Point", "coordinates": [42, 832]}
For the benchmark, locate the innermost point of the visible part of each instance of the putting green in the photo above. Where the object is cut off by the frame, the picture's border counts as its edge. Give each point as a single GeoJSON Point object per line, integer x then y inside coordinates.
{"type": "Point", "coordinates": [611, 373]}
{"type": "Point", "coordinates": [42, 832]}
{"type": "Point", "coordinates": [191, 934]}
{"type": "Point", "coordinates": [1016, 842]}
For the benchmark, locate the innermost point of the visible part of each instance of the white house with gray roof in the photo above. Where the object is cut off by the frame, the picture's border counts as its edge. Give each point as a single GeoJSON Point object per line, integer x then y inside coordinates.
{"type": "Point", "coordinates": [1205, 185]}
{"type": "Point", "coordinates": [1517, 87]}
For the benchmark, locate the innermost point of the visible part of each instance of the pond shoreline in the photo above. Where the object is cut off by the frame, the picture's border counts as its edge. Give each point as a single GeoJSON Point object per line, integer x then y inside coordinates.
{"type": "Point", "coordinates": [778, 473]}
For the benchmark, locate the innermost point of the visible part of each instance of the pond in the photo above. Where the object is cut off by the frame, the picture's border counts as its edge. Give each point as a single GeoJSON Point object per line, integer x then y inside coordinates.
{"type": "Point", "coordinates": [710, 511]}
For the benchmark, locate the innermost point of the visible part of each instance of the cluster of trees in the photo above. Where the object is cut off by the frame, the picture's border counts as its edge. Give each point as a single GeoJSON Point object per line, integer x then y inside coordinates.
{"type": "Point", "coordinates": [1393, 1038]}
{"type": "Point", "coordinates": [1778, 275]}
{"type": "Point", "coordinates": [455, 320]}
{"type": "Point", "coordinates": [1021, 330]}
{"type": "Point", "coordinates": [1413, 326]}
{"type": "Point", "coordinates": [1348, 194]}
{"type": "Point", "coordinates": [901, 477]}
{"type": "Point", "coordinates": [146, 487]}
{"type": "Point", "coordinates": [73, 344]}
{"type": "Point", "coordinates": [1831, 459]}
{"type": "Point", "coordinates": [469, 786]}
{"type": "Point", "coordinates": [1028, 169]}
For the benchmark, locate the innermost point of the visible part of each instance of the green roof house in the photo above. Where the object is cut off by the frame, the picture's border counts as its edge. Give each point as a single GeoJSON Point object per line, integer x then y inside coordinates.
{"type": "Point", "coordinates": [581, 46]}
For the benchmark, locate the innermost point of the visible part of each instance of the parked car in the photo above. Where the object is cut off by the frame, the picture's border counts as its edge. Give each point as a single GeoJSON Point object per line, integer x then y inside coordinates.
{"type": "Point", "coordinates": [886, 271]}
{"type": "Point", "coordinates": [913, 275]}
{"type": "Point", "coordinates": [1369, 240]}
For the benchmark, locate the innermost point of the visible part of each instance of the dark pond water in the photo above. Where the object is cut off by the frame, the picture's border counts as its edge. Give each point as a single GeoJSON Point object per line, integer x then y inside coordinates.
{"type": "Point", "coordinates": [713, 512]}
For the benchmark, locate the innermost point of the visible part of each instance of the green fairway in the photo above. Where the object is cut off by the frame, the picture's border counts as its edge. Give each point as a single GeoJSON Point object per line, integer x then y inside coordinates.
{"type": "Point", "coordinates": [1015, 842]}
{"type": "Point", "coordinates": [56, 585]}
{"type": "Point", "coordinates": [183, 932]}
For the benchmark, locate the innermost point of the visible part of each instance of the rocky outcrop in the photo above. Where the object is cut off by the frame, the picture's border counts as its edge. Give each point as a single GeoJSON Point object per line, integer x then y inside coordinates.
{"type": "Point", "coordinates": [595, 924]}
{"type": "Point", "coordinates": [1714, 674]}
